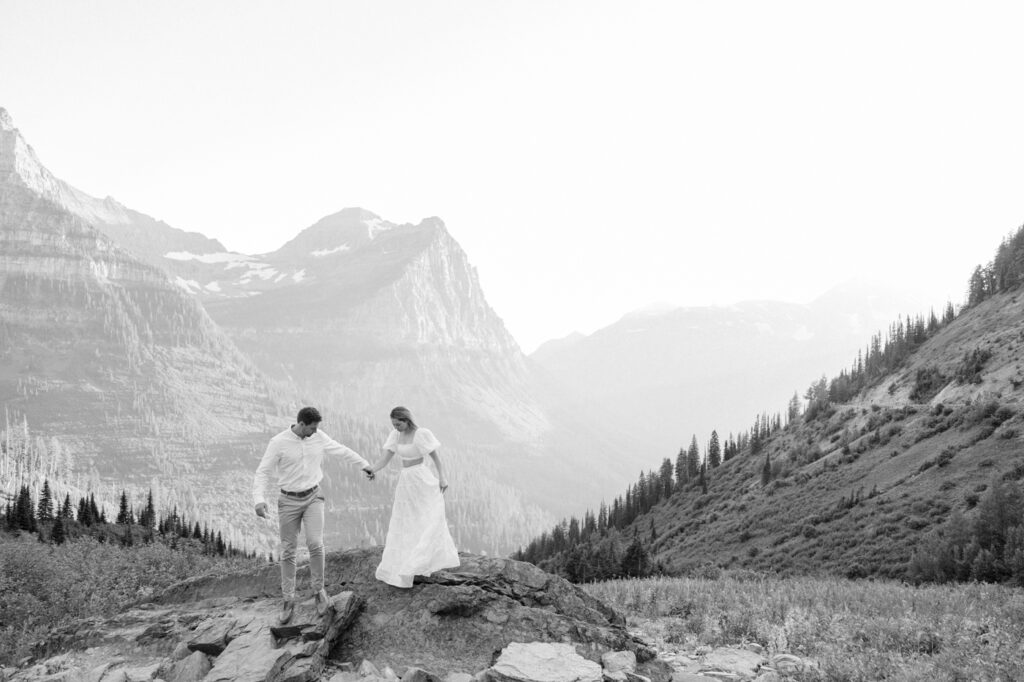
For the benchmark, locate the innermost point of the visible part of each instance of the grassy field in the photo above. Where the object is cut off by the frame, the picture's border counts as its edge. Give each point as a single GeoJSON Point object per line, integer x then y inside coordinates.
{"type": "Point", "coordinates": [856, 631]}
{"type": "Point", "coordinates": [44, 586]}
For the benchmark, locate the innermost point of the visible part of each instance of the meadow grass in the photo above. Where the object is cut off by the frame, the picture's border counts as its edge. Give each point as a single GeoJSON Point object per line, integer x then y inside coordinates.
{"type": "Point", "coordinates": [44, 586]}
{"type": "Point", "coordinates": [854, 631]}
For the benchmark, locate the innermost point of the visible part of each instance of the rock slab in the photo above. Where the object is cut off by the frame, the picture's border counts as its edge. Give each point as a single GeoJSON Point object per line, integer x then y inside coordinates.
{"type": "Point", "coordinates": [542, 662]}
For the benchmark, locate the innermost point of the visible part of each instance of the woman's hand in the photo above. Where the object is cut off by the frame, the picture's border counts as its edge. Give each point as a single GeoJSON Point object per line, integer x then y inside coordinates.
{"type": "Point", "coordinates": [444, 485]}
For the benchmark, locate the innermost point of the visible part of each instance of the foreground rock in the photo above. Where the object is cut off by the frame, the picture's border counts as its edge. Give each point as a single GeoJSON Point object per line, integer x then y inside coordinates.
{"type": "Point", "coordinates": [213, 640]}
{"type": "Point", "coordinates": [452, 621]}
{"type": "Point", "coordinates": [455, 622]}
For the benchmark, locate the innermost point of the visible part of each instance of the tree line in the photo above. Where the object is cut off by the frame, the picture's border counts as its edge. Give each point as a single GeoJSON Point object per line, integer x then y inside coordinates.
{"type": "Point", "coordinates": [56, 521]}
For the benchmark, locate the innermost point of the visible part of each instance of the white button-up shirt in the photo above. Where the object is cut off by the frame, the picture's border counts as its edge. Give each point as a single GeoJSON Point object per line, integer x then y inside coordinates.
{"type": "Point", "coordinates": [297, 462]}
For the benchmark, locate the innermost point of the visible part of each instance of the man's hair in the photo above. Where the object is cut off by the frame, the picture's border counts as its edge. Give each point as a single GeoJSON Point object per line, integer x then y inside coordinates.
{"type": "Point", "coordinates": [309, 415]}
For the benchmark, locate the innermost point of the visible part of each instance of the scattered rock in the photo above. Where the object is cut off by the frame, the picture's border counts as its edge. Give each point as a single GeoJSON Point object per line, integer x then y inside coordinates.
{"type": "Point", "coordinates": [368, 669]}
{"type": "Point", "coordinates": [250, 656]}
{"type": "Point", "coordinates": [191, 669]}
{"type": "Point", "coordinates": [618, 661]}
{"type": "Point", "coordinates": [542, 662]}
{"type": "Point", "coordinates": [728, 663]}
{"type": "Point", "coordinates": [458, 677]}
{"type": "Point", "coordinates": [787, 664]}
{"type": "Point", "coordinates": [345, 676]}
{"type": "Point", "coordinates": [181, 651]}
{"type": "Point", "coordinates": [142, 674]}
{"type": "Point", "coordinates": [419, 675]}
{"type": "Point", "coordinates": [212, 637]}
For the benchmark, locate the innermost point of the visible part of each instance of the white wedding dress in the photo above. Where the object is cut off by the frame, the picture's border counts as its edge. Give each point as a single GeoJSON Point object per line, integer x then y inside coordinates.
{"type": "Point", "coordinates": [418, 541]}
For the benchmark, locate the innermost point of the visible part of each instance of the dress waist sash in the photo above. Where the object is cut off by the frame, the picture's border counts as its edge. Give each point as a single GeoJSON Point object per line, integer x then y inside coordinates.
{"type": "Point", "coordinates": [412, 462]}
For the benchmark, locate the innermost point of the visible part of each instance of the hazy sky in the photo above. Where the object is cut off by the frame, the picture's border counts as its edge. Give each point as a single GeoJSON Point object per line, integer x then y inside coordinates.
{"type": "Point", "coordinates": [591, 157]}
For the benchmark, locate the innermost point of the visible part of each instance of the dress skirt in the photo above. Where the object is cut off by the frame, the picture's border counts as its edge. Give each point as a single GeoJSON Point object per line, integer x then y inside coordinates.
{"type": "Point", "coordinates": [418, 541]}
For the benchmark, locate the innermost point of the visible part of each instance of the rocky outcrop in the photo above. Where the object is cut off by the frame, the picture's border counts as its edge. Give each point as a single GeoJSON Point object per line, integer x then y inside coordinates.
{"type": "Point", "coordinates": [489, 620]}
{"type": "Point", "coordinates": [452, 620]}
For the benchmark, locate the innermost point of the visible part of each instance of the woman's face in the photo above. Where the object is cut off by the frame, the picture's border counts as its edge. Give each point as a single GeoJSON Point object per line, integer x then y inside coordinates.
{"type": "Point", "coordinates": [399, 424]}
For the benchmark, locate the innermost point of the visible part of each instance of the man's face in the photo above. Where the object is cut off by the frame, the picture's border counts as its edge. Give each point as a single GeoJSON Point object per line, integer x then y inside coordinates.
{"type": "Point", "coordinates": [307, 430]}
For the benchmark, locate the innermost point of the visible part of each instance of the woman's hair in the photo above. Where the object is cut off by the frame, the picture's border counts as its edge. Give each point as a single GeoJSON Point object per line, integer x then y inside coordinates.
{"type": "Point", "coordinates": [404, 414]}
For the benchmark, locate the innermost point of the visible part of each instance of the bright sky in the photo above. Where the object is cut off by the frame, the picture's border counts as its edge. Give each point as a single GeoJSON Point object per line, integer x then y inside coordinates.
{"type": "Point", "coordinates": [591, 157]}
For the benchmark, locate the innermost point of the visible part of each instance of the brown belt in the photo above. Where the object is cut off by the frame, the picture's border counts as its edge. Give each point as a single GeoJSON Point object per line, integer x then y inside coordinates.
{"type": "Point", "coordinates": [412, 462]}
{"type": "Point", "coordinates": [301, 493]}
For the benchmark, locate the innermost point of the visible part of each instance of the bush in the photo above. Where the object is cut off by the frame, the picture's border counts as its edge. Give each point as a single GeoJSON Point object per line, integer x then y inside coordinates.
{"type": "Point", "coordinates": [928, 381]}
{"type": "Point", "coordinates": [969, 370]}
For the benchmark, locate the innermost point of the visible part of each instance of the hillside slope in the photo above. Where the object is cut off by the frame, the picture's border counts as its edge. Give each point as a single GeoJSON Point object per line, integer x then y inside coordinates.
{"type": "Point", "coordinates": [853, 485]}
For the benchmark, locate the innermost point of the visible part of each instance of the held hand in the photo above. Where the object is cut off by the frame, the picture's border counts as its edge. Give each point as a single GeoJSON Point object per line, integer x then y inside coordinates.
{"type": "Point", "coordinates": [261, 510]}
{"type": "Point", "coordinates": [369, 473]}
{"type": "Point", "coordinates": [444, 486]}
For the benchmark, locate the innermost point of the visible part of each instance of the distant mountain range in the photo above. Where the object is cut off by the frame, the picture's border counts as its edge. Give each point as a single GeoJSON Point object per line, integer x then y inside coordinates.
{"type": "Point", "coordinates": [158, 359]}
{"type": "Point", "coordinates": [152, 357]}
{"type": "Point", "coordinates": [676, 372]}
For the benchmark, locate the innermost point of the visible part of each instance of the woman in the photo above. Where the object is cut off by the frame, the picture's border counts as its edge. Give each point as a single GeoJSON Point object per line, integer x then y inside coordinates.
{"type": "Point", "coordinates": [418, 541]}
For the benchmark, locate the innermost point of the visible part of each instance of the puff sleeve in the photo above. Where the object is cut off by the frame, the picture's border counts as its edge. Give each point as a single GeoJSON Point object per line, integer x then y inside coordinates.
{"type": "Point", "coordinates": [391, 443]}
{"type": "Point", "coordinates": [426, 442]}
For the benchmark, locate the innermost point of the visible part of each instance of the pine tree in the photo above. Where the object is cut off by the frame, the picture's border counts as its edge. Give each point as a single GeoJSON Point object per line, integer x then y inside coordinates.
{"type": "Point", "coordinates": [692, 460]}
{"type": "Point", "coordinates": [148, 516]}
{"type": "Point", "coordinates": [766, 470]}
{"type": "Point", "coordinates": [45, 512]}
{"type": "Point", "coordinates": [714, 451]}
{"type": "Point", "coordinates": [66, 512]}
{"type": "Point", "coordinates": [636, 563]}
{"type": "Point", "coordinates": [83, 512]}
{"type": "Point", "coordinates": [665, 478]}
{"type": "Point", "coordinates": [10, 518]}
{"type": "Point", "coordinates": [23, 510]}
{"type": "Point", "coordinates": [681, 478]}
{"type": "Point", "coordinates": [58, 535]}
{"type": "Point", "coordinates": [123, 514]}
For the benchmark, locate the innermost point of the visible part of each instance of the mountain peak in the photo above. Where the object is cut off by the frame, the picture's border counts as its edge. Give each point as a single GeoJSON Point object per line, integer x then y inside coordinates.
{"type": "Point", "coordinates": [19, 165]}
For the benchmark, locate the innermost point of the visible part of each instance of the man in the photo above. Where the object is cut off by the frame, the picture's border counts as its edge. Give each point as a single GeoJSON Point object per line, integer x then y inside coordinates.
{"type": "Point", "coordinates": [295, 456]}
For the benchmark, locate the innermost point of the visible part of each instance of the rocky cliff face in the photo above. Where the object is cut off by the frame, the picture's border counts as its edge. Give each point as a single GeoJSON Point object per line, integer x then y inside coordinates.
{"type": "Point", "coordinates": [102, 352]}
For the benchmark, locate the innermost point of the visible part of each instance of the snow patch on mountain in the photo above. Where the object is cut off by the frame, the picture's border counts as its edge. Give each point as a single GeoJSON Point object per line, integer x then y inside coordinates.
{"type": "Point", "coordinates": [189, 285]}
{"type": "Point", "coordinates": [231, 259]}
{"type": "Point", "coordinates": [260, 270]}
{"type": "Point", "coordinates": [375, 226]}
{"type": "Point", "coordinates": [320, 253]}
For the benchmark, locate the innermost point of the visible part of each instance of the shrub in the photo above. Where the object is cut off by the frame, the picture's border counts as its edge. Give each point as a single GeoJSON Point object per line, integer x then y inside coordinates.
{"type": "Point", "coordinates": [928, 381]}
{"type": "Point", "coordinates": [969, 370]}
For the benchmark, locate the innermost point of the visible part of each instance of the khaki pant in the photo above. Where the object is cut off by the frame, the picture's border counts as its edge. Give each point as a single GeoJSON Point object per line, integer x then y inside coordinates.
{"type": "Point", "coordinates": [291, 513]}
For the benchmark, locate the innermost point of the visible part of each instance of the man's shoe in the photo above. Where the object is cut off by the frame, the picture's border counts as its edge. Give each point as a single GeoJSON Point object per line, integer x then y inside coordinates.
{"type": "Point", "coordinates": [287, 611]}
{"type": "Point", "coordinates": [323, 602]}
